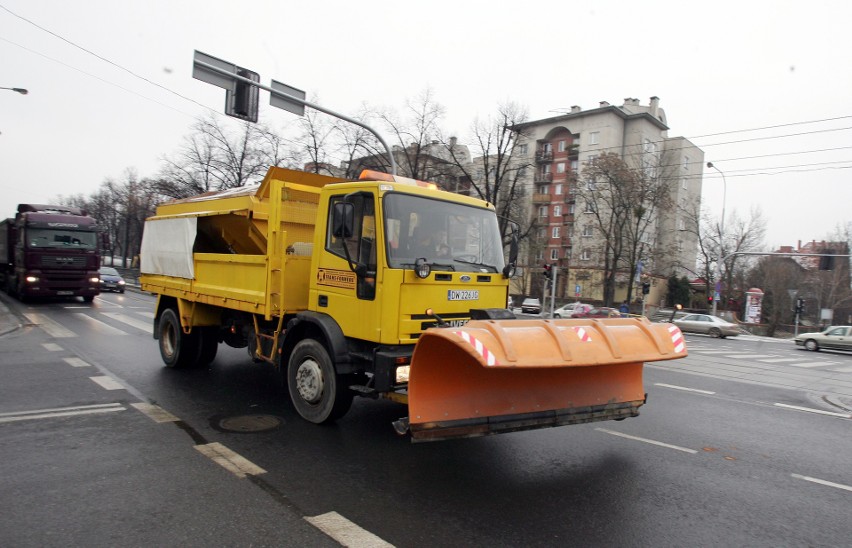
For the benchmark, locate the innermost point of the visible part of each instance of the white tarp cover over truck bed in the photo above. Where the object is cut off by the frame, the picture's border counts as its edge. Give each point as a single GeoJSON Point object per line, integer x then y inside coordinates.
{"type": "Point", "coordinates": [167, 247]}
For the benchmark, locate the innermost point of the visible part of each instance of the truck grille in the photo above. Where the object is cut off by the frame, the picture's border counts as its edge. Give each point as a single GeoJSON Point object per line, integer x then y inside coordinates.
{"type": "Point", "coordinates": [59, 261]}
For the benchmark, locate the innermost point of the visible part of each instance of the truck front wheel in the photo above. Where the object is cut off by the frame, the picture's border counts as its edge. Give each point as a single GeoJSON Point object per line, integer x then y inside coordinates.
{"type": "Point", "coordinates": [317, 392]}
{"type": "Point", "coordinates": [176, 347]}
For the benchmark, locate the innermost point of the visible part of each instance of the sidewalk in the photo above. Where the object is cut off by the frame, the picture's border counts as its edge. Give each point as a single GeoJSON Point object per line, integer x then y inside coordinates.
{"type": "Point", "coordinates": [8, 321]}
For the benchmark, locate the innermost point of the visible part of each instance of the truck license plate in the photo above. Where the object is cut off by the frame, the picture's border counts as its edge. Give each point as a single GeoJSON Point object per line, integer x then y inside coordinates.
{"type": "Point", "coordinates": [462, 294]}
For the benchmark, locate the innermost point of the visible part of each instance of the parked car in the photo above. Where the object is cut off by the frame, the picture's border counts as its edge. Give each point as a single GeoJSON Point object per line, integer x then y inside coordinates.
{"type": "Point", "coordinates": [599, 312]}
{"type": "Point", "coordinates": [838, 337]}
{"type": "Point", "coordinates": [706, 324]}
{"type": "Point", "coordinates": [566, 310]}
{"type": "Point", "coordinates": [531, 306]}
{"type": "Point", "coordinates": [111, 280]}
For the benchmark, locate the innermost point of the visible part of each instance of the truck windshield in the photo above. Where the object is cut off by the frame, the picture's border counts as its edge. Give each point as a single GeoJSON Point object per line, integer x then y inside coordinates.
{"type": "Point", "coordinates": [449, 236]}
{"type": "Point", "coordinates": [56, 238]}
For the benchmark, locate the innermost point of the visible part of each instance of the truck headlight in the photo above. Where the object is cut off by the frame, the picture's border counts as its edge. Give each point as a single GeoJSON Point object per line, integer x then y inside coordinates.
{"type": "Point", "coordinates": [31, 279]}
{"type": "Point", "coordinates": [402, 374]}
{"type": "Point", "coordinates": [422, 268]}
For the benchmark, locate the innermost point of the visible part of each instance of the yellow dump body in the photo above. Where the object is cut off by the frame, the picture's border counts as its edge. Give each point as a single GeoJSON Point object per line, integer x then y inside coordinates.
{"type": "Point", "coordinates": [252, 247]}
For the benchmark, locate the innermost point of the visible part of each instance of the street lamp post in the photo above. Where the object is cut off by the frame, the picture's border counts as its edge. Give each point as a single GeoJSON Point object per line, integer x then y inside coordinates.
{"type": "Point", "coordinates": [718, 270]}
{"type": "Point", "coordinates": [22, 91]}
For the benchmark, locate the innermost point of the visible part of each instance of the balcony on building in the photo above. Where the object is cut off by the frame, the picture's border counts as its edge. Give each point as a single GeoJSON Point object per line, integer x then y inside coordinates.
{"type": "Point", "coordinates": [538, 198]}
{"type": "Point", "coordinates": [566, 241]}
{"type": "Point", "coordinates": [543, 177]}
{"type": "Point", "coordinates": [543, 155]}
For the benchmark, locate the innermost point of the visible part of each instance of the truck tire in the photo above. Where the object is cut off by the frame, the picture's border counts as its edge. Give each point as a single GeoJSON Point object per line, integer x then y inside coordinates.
{"type": "Point", "coordinates": [318, 393]}
{"type": "Point", "coordinates": [176, 347]}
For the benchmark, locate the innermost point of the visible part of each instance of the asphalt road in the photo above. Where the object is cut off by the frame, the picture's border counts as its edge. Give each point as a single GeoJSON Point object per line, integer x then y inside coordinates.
{"type": "Point", "coordinates": [744, 442]}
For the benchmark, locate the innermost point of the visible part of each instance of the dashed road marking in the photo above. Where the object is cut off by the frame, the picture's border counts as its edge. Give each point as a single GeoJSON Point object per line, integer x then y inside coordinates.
{"type": "Point", "coordinates": [683, 388]}
{"type": "Point", "coordinates": [52, 347]}
{"type": "Point", "coordinates": [138, 324]}
{"type": "Point", "coordinates": [822, 482]}
{"type": "Point", "coordinates": [645, 440]}
{"type": "Point", "coordinates": [76, 362]}
{"type": "Point", "coordinates": [147, 314]}
{"type": "Point", "coordinates": [229, 460]}
{"type": "Point", "coordinates": [100, 326]}
{"type": "Point", "coordinates": [817, 411]}
{"type": "Point", "coordinates": [108, 383]}
{"type": "Point", "coordinates": [781, 360]}
{"type": "Point", "coordinates": [155, 412]}
{"type": "Point", "coordinates": [61, 412]}
{"type": "Point", "coordinates": [52, 328]}
{"type": "Point", "coordinates": [843, 369]}
{"type": "Point", "coordinates": [345, 532]}
{"type": "Point", "coordinates": [751, 356]}
{"type": "Point", "coordinates": [811, 364]}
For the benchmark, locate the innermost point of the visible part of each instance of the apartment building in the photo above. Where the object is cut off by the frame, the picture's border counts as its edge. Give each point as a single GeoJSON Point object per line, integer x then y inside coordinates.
{"type": "Point", "coordinates": [560, 149]}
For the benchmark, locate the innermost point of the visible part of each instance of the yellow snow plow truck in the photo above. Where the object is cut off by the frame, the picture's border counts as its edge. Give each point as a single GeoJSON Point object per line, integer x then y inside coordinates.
{"type": "Point", "coordinates": [383, 287]}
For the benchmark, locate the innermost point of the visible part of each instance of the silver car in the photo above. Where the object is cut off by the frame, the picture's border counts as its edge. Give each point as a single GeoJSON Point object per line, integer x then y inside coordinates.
{"type": "Point", "coordinates": [708, 325]}
{"type": "Point", "coordinates": [838, 337]}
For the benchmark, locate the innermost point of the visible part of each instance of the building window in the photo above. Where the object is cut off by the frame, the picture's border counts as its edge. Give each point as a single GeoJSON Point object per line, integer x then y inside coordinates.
{"type": "Point", "coordinates": [591, 159]}
{"type": "Point", "coordinates": [590, 207]}
{"type": "Point", "coordinates": [591, 184]}
{"type": "Point", "coordinates": [681, 224]}
{"type": "Point", "coordinates": [561, 146]}
{"type": "Point", "coordinates": [554, 254]}
{"type": "Point", "coordinates": [686, 163]}
{"type": "Point", "coordinates": [594, 137]}
{"type": "Point", "coordinates": [542, 212]}
{"type": "Point", "coordinates": [558, 190]}
{"type": "Point", "coordinates": [544, 189]}
{"type": "Point", "coordinates": [586, 256]}
{"type": "Point", "coordinates": [539, 256]}
{"type": "Point", "coordinates": [547, 147]}
{"type": "Point", "coordinates": [575, 165]}
{"type": "Point", "coordinates": [571, 209]}
{"type": "Point", "coordinates": [522, 150]}
{"type": "Point", "coordinates": [683, 183]}
{"type": "Point", "coordinates": [560, 167]}
{"type": "Point", "coordinates": [557, 210]}
{"type": "Point", "coordinates": [554, 233]}
{"type": "Point", "coordinates": [588, 230]}
{"type": "Point", "coordinates": [542, 233]}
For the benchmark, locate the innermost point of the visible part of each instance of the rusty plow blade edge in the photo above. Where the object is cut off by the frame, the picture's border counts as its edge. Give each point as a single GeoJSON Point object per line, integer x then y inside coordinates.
{"type": "Point", "coordinates": [498, 376]}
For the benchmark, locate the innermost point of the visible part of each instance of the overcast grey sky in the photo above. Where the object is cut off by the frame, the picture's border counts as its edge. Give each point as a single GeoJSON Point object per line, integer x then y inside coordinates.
{"type": "Point", "coordinates": [717, 67]}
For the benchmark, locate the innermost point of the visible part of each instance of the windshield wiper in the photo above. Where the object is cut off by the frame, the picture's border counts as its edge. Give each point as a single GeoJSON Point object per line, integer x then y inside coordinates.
{"type": "Point", "coordinates": [474, 263]}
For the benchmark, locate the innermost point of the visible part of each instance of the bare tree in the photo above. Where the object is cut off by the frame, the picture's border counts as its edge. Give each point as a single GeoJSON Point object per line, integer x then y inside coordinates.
{"type": "Point", "coordinates": [414, 132]}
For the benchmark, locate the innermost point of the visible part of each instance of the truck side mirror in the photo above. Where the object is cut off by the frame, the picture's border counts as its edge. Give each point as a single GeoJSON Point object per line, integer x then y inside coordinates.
{"type": "Point", "coordinates": [343, 220]}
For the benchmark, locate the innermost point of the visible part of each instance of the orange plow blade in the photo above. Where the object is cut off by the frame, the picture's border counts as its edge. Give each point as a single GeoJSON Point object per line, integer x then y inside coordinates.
{"type": "Point", "coordinates": [495, 376]}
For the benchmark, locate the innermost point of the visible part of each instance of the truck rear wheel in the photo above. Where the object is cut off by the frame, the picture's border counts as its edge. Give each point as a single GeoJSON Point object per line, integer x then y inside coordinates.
{"type": "Point", "coordinates": [176, 347]}
{"type": "Point", "coordinates": [318, 393]}
{"type": "Point", "coordinates": [209, 345]}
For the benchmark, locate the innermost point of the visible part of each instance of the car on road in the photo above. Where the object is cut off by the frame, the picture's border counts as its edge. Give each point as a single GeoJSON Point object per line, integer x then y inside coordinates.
{"type": "Point", "coordinates": [707, 324]}
{"type": "Point", "coordinates": [838, 337]}
{"type": "Point", "coordinates": [566, 310]}
{"type": "Point", "coordinates": [111, 280]}
{"type": "Point", "coordinates": [599, 312]}
{"type": "Point", "coordinates": [531, 306]}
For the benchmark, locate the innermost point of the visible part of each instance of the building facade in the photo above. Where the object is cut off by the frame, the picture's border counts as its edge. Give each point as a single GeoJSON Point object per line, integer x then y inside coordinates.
{"type": "Point", "coordinates": [564, 152]}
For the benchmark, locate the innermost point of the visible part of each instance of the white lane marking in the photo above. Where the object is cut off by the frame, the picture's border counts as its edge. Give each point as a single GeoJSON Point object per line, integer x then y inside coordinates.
{"type": "Point", "coordinates": [645, 440]}
{"type": "Point", "coordinates": [822, 482]}
{"type": "Point", "coordinates": [155, 412]}
{"type": "Point", "coordinates": [51, 327]}
{"type": "Point", "coordinates": [843, 369]}
{"type": "Point", "coordinates": [781, 360]}
{"type": "Point", "coordinates": [60, 412]}
{"type": "Point", "coordinates": [811, 364]}
{"type": "Point", "coordinates": [752, 356]}
{"type": "Point", "coordinates": [146, 327]}
{"type": "Point", "coordinates": [700, 351]}
{"type": "Point", "coordinates": [100, 326]}
{"type": "Point", "coordinates": [108, 383]}
{"type": "Point", "coordinates": [76, 362]}
{"type": "Point", "coordinates": [345, 532]}
{"type": "Point", "coordinates": [817, 411]}
{"type": "Point", "coordinates": [229, 460]}
{"type": "Point", "coordinates": [683, 388]}
{"type": "Point", "coordinates": [53, 347]}
{"type": "Point", "coordinates": [147, 314]}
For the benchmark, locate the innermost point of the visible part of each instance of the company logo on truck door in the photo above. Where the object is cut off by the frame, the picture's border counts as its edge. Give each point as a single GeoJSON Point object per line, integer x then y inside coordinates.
{"type": "Point", "coordinates": [336, 278]}
{"type": "Point", "coordinates": [462, 295]}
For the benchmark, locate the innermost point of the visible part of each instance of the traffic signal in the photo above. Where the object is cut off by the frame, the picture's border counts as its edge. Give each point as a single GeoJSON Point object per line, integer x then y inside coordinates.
{"type": "Point", "coordinates": [800, 306]}
{"type": "Point", "coordinates": [709, 299]}
{"type": "Point", "coordinates": [646, 288]}
{"type": "Point", "coordinates": [548, 271]}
